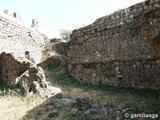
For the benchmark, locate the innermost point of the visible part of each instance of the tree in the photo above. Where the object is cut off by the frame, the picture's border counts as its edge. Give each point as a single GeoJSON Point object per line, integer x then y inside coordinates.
{"type": "Point", "coordinates": [65, 34]}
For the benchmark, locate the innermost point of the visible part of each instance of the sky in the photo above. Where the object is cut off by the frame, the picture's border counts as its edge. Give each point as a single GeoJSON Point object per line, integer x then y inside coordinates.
{"type": "Point", "coordinates": [54, 15]}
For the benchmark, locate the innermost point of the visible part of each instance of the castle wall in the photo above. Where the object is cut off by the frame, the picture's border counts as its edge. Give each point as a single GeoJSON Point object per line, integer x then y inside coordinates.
{"type": "Point", "coordinates": [16, 38]}
{"type": "Point", "coordinates": [116, 49]}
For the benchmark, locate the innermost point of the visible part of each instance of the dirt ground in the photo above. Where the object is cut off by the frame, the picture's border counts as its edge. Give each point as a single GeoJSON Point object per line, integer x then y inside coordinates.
{"type": "Point", "coordinates": [15, 108]}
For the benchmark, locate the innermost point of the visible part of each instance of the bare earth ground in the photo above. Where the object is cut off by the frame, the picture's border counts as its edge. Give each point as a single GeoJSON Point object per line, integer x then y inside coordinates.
{"type": "Point", "coordinates": [15, 108]}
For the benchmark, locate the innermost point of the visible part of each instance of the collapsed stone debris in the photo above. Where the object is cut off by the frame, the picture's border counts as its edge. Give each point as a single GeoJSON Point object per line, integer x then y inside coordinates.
{"type": "Point", "coordinates": [28, 75]}
{"type": "Point", "coordinates": [82, 106]}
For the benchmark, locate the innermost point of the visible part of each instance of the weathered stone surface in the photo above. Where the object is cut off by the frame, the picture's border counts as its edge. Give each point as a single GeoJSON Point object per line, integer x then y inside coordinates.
{"type": "Point", "coordinates": [16, 38]}
{"type": "Point", "coordinates": [11, 68]}
{"type": "Point", "coordinates": [26, 74]}
{"type": "Point", "coordinates": [74, 111]}
{"type": "Point", "coordinates": [20, 51]}
{"type": "Point", "coordinates": [61, 48]}
{"type": "Point", "coordinates": [52, 114]}
{"type": "Point", "coordinates": [122, 51]}
{"type": "Point", "coordinates": [95, 111]}
{"type": "Point", "coordinates": [57, 96]}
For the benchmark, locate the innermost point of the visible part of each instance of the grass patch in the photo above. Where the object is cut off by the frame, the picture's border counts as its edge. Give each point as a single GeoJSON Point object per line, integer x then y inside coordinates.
{"type": "Point", "coordinates": [9, 91]}
{"type": "Point", "coordinates": [14, 106]}
{"type": "Point", "coordinates": [141, 99]}
{"type": "Point", "coordinates": [48, 46]}
{"type": "Point", "coordinates": [145, 100]}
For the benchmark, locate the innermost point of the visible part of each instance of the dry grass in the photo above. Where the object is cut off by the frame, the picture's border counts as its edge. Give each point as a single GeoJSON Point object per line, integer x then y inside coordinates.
{"type": "Point", "coordinates": [15, 107]}
{"type": "Point", "coordinates": [143, 99]}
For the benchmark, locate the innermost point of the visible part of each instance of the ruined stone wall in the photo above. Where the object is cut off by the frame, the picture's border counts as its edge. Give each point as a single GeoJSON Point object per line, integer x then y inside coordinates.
{"type": "Point", "coordinates": [10, 68]}
{"type": "Point", "coordinates": [60, 48]}
{"type": "Point", "coordinates": [16, 38]}
{"type": "Point", "coordinates": [114, 50]}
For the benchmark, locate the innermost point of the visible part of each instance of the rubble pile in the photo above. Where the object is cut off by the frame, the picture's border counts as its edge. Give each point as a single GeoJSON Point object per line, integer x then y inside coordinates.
{"type": "Point", "coordinates": [25, 73]}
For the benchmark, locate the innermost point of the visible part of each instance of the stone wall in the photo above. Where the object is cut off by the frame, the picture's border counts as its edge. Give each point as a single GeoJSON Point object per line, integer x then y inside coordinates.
{"type": "Point", "coordinates": [60, 48]}
{"type": "Point", "coordinates": [10, 68]}
{"type": "Point", "coordinates": [118, 49]}
{"type": "Point", "coordinates": [16, 38]}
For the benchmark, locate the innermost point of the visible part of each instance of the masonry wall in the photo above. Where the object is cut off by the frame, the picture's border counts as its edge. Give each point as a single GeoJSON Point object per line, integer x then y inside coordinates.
{"type": "Point", "coordinates": [60, 48]}
{"type": "Point", "coordinates": [10, 68]}
{"type": "Point", "coordinates": [119, 49]}
{"type": "Point", "coordinates": [16, 38]}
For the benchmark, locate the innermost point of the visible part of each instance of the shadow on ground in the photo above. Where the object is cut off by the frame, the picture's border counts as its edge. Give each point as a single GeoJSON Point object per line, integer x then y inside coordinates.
{"type": "Point", "coordinates": [144, 100]}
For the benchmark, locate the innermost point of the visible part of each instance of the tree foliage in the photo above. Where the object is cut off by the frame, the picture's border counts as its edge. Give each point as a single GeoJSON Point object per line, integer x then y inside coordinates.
{"type": "Point", "coordinates": [65, 34]}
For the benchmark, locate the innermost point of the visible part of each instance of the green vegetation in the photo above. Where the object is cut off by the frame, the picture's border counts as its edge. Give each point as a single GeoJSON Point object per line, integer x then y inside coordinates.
{"type": "Point", "coordinates": [48, 46]}
{"type": "Point", "coordinates": [132, 26]}
{"type": "Point", "coordinates": [65, 34]}
{"type": "Point", "coordinates": [9, 91]}
{"type": "Point", "coordinates": [14, 105]}
{"type": "Point", "coordinates": [142, 100]}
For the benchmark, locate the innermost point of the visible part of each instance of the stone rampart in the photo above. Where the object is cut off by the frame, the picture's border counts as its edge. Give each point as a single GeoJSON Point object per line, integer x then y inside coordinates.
{"type": "Point", "coordinates": [17, 43]}
{"type": "Point", "coordinates": [16, 38]}
{"type": "Point", "coordinates": [119, 49]}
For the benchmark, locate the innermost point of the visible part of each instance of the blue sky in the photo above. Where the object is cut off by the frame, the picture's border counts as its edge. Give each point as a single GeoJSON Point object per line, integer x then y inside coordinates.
{"type": "Point", "coordinates": [54, 15]}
